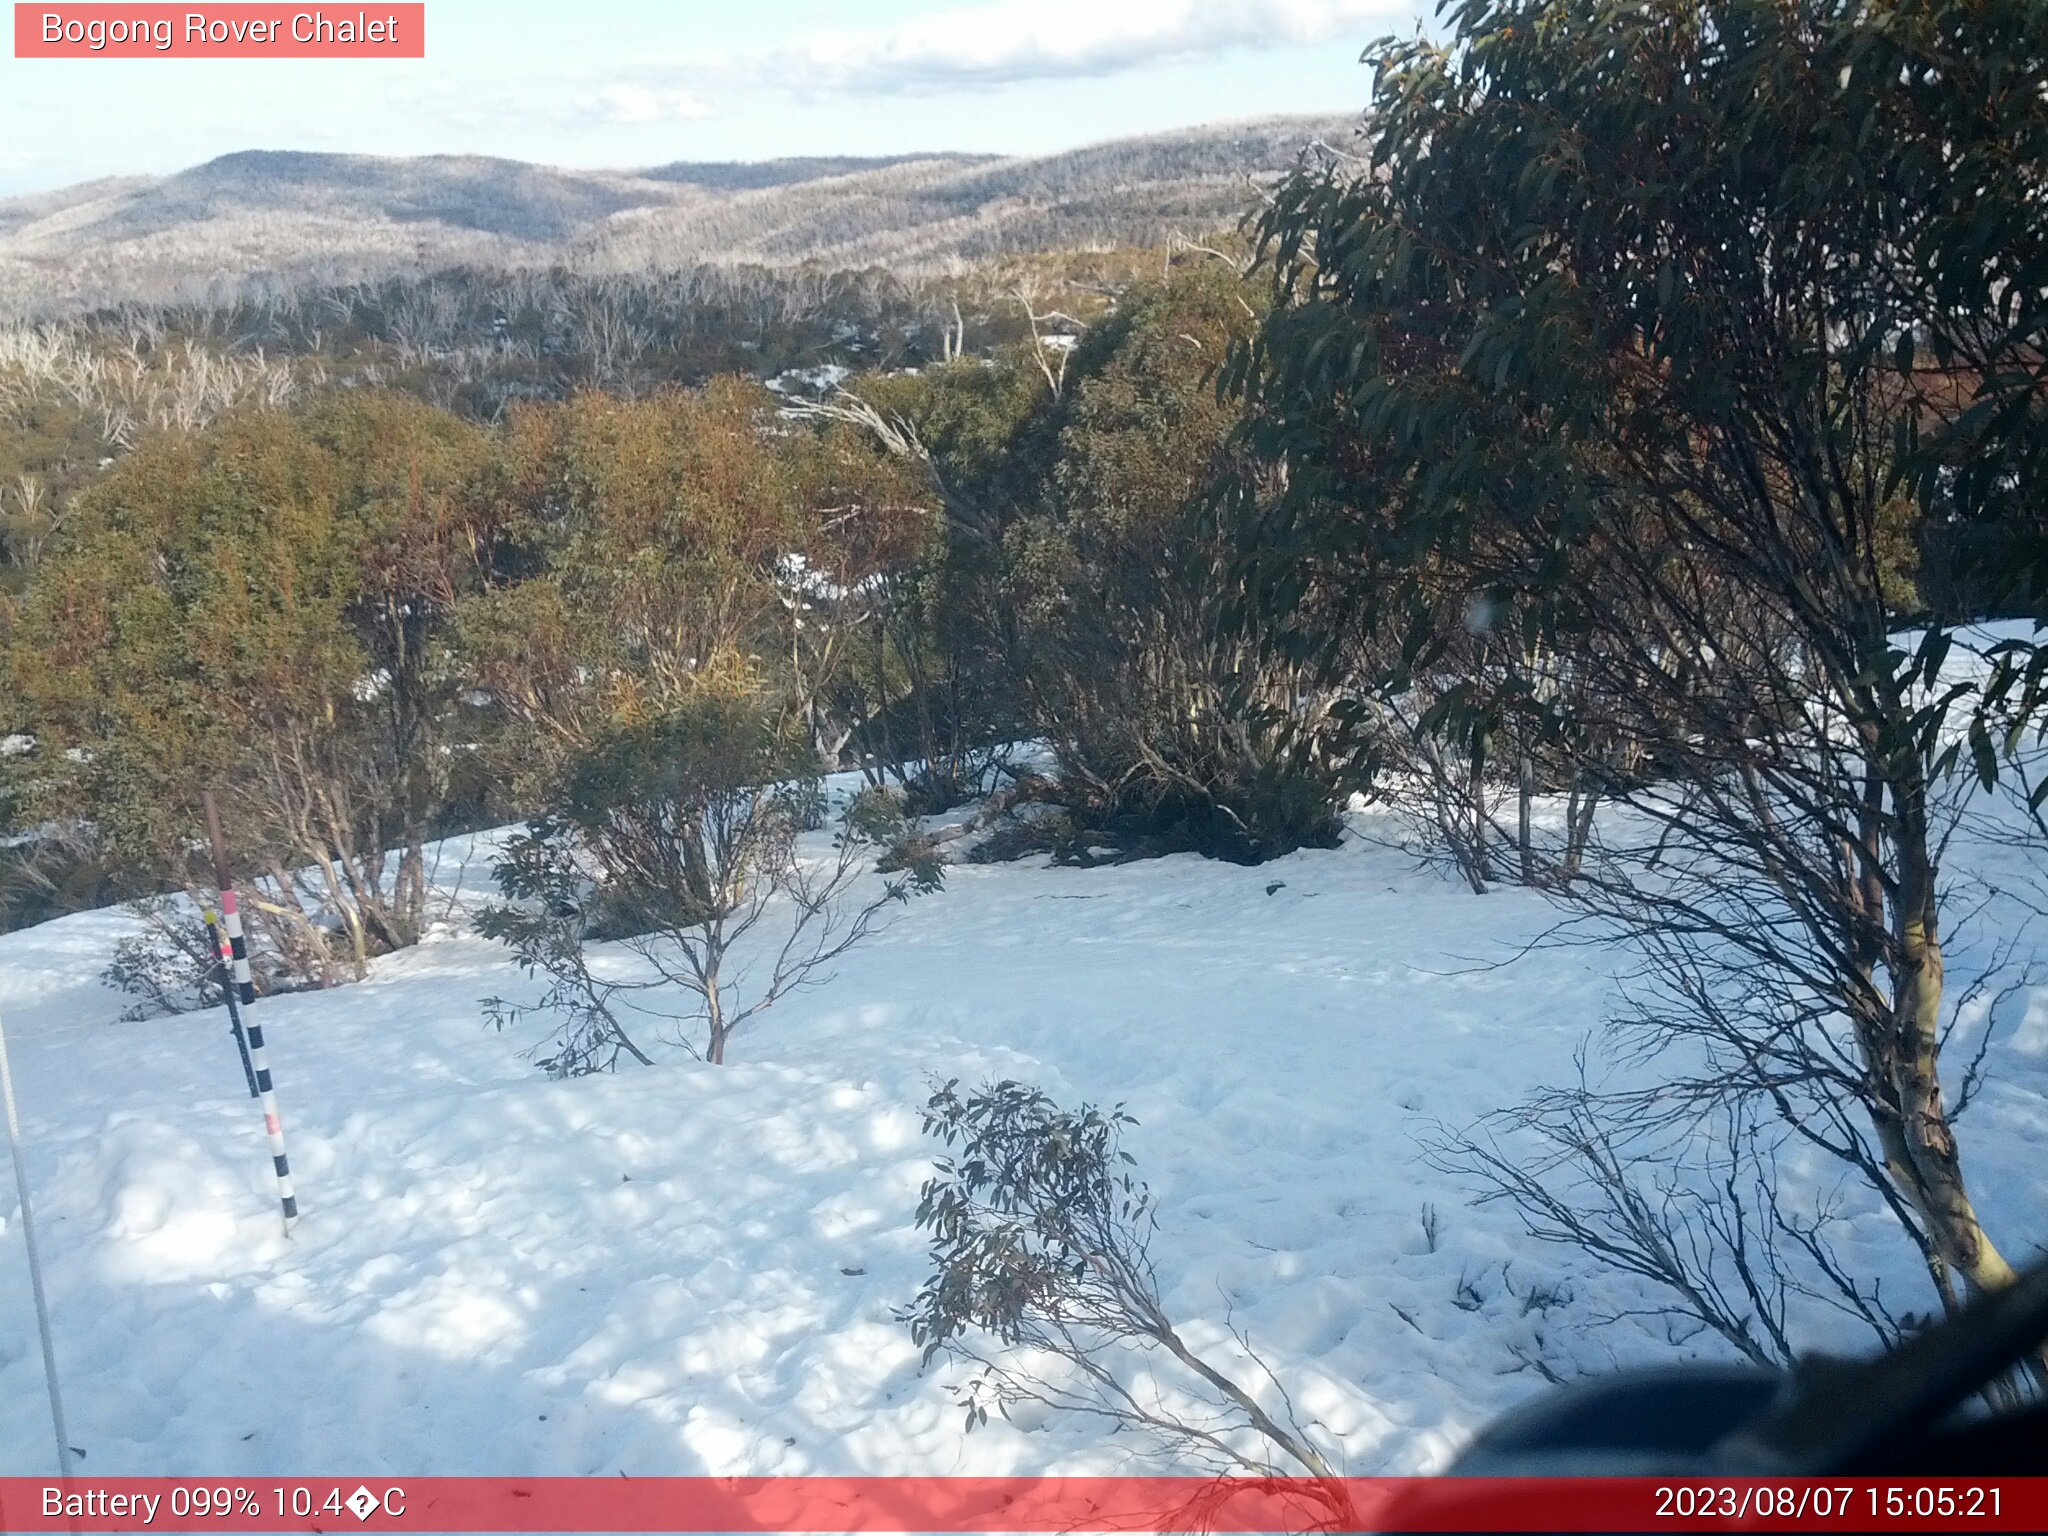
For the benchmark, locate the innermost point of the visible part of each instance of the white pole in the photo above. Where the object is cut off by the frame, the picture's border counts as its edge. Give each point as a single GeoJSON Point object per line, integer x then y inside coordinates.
{"type": "Point", "coordinates": [35, 1262]}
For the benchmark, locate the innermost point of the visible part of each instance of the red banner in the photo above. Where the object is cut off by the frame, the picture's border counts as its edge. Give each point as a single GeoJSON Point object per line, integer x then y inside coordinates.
{"type": "Point", "coordinates": [1021, 1504]}
{"type": "Point", "coordinates": [376, 31]}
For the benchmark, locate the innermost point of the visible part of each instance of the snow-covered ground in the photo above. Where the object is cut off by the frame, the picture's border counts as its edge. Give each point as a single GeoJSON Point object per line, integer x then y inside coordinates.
{"type": "Point", "coordinates": [695, 1270]}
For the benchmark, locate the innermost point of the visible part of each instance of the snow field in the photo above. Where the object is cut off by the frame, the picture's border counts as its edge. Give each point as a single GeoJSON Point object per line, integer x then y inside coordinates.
{"type": "Point", "coordinates": [695, 1270]}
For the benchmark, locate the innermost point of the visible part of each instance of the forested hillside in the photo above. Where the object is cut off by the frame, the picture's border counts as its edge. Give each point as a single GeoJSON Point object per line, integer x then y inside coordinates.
{"type": "Point", "coordinates": [256, 223]}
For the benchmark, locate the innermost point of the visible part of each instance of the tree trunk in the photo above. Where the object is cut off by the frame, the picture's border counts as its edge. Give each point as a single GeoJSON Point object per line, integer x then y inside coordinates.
{"type": "Point", "coordinates": [1482, 869]}
{"type": "Point", "coordinates": [1525, 794]}
{"type": "Point", "coordinates": [411, 917]}
{"type": "Point", "coordinates": [1578, 827]}
{"type": "Point", "coordinates": [714, 1015]}
{"type": "Point", "coordinates": [1928, 1140]}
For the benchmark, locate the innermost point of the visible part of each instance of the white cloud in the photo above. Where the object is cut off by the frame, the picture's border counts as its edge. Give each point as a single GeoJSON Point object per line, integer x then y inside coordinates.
{"type": "Point", "coordinates": [1013, 40]}
{"type": "Point", "coordinates": [644, 104]}
{"type": "Point", "coordinates": [991, 42]}
{"type": "Point", "coordinates": [574, 104]}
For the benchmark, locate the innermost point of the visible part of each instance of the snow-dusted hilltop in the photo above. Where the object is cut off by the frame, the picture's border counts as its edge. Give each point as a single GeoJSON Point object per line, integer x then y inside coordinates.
{"type": "Point", "coordinates": [328, 217]}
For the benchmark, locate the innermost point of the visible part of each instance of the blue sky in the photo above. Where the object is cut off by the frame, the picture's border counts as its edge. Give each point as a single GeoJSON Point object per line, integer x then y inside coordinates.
{"type": "Point", "coordinates": [639, 82]}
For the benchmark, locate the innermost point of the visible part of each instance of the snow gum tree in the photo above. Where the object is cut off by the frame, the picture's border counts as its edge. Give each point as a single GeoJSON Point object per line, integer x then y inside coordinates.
{"type": "Point", "coordinates": [261, 609]}
{"type": "Point", "coordinates": [1169, 727]}
{"type": "Point", "coordinates": [1084, 572]}
{"type": "Point", "coordinates": [1640, 334]}
{"type": "Point", "coordinates": [678, 837]}
{"type": "Point", "coordinates": [1040, 1239]}
{"type": "Point", "coordinates": [690, 540]}
{"type": "Point", "coordinates": [664, 692]}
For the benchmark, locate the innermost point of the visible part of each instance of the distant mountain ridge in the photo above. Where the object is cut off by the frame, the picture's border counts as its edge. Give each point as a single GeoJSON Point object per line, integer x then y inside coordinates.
{"type": "Point", "coordinates": [752, 175]}
{"type": "Point", "coordinates": [272, 216]}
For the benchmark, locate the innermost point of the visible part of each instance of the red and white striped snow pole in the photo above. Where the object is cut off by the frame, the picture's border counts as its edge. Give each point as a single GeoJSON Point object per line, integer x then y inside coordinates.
{"type": "Point", "coordinates": [245, 988]}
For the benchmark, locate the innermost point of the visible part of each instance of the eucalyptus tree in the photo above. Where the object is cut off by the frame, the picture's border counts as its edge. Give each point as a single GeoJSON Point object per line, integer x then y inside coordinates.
{"type": "Point", "coordinates": [1654, 337]}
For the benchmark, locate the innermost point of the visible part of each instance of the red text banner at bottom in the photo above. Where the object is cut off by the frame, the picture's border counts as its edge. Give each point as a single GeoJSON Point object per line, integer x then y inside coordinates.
{"type": "Point", "coordinates": [1020, 1504]}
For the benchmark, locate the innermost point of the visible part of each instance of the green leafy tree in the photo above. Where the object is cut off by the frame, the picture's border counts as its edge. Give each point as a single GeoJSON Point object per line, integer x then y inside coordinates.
{"type": "Point", "coordinates": [642, 541]}
{"type": "Point", "coordinates": [678, 837]}
{"type": "Point", "coordinates": [1172, 729]}
{"type": "Point", "coordinates": [686, 584]}
{"type": "Point", "coordinates": [1624, 346]}
{"type": "Point", "coordinates": [944, 680]}
{"type": "Point", "coordinates": [260, 609]}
